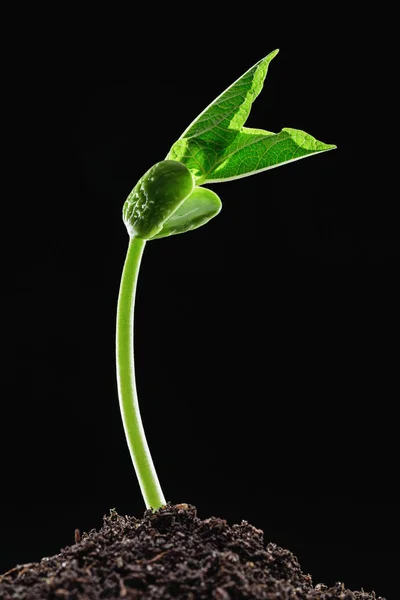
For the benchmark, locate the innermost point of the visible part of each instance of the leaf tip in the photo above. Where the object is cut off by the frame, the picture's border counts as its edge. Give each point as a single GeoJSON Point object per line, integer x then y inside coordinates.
{"type": "Point", "coordinates": [322, 147]}
{"type": "Point", "coordinates": [267, 59]}
{"type": "Point", "coordinates": [272, 54]}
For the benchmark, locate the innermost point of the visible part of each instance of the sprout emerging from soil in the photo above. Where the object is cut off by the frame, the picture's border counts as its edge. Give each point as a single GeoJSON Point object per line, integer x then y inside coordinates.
{"type": "Point", "coordinates": [170, 199]}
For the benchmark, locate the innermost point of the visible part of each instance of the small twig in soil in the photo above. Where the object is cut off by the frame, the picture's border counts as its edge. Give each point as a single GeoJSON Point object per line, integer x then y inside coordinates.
{"type": "Point", "coordinates": [24, 568]}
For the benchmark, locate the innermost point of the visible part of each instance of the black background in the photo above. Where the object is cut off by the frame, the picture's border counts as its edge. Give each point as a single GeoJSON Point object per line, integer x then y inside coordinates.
{"type": "Point", "coordinates": [266, 342]}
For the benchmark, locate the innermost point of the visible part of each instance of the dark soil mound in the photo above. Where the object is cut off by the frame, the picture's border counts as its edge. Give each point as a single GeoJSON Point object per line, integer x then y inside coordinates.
{"type": "Point", "coordinates": [169, 554]}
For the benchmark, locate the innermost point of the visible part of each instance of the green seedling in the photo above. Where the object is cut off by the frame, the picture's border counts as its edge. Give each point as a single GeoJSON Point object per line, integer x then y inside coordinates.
{"type": "Point", "coordinates": [170, 199]}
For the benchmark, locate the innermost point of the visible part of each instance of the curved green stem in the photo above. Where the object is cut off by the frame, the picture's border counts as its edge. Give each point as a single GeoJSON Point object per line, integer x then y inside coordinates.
{"type": "Point", "coordinates": [128, 399]}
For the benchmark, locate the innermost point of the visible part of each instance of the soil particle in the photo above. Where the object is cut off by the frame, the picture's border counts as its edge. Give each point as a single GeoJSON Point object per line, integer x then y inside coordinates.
{"type": "Point", "coordinates": [170, 553]}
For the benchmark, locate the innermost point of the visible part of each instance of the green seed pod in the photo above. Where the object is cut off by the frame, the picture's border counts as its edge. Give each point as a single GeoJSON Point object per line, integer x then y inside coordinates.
{"type": "Point", "coordinates": [155, 197]}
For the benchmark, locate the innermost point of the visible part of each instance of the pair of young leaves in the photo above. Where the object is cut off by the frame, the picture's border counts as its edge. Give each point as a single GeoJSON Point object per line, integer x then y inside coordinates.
{"type": "Point", "coordinates": [216, 147]}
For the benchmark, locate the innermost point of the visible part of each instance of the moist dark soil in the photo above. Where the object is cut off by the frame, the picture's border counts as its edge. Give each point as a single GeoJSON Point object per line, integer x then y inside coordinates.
{"type": "Point", "coordinates": [169, 553]}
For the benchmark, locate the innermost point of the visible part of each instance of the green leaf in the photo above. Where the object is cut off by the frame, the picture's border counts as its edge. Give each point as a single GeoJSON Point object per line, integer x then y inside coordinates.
{"type": "Point", "coordinates": [201, 206]}
{"type": "Point", "coordinates": [255, 150]}
{"type": "Point", "coordinates": [217, 147]}
{"type": "Point", "coordinates": [219, 124]}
